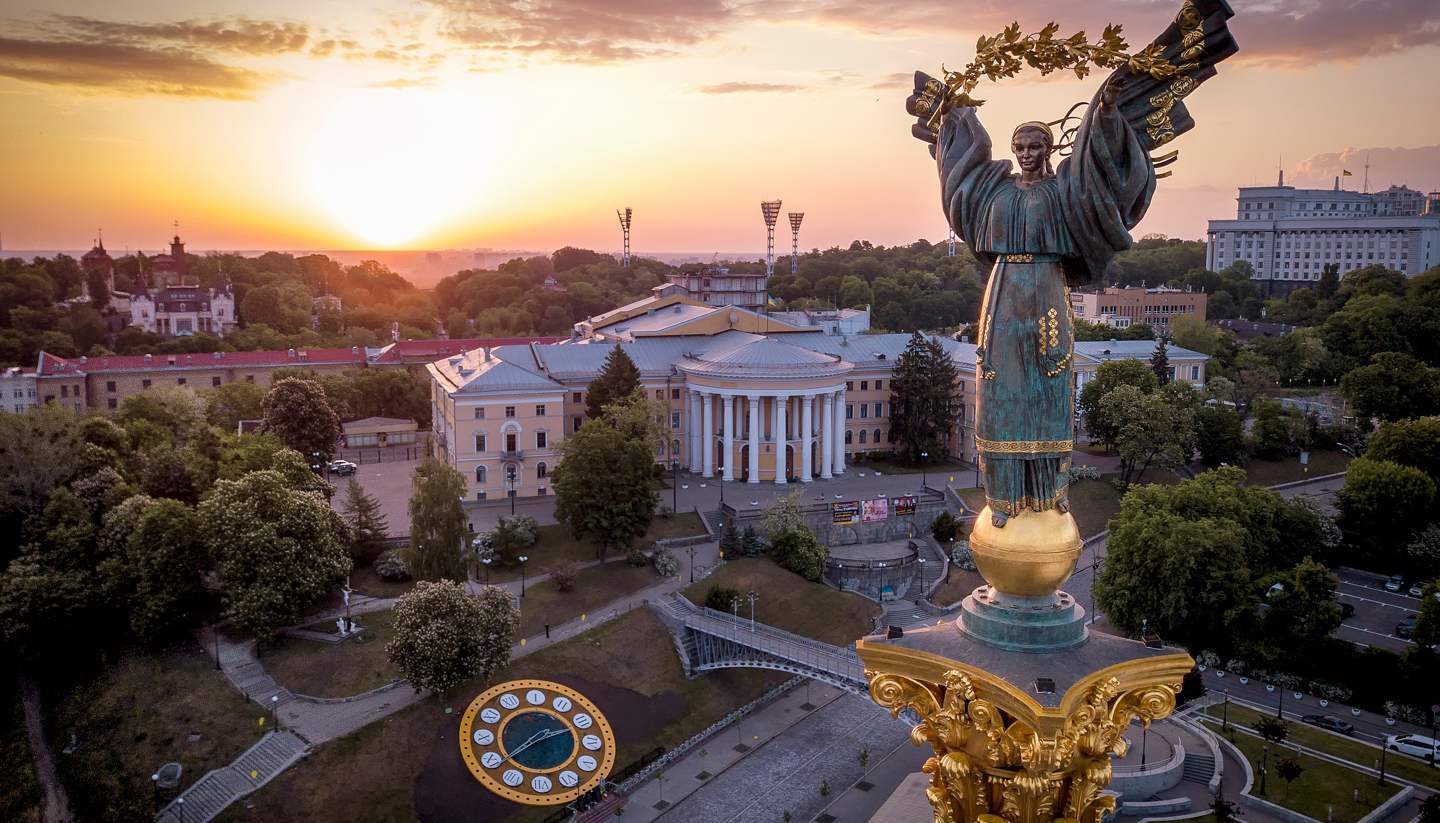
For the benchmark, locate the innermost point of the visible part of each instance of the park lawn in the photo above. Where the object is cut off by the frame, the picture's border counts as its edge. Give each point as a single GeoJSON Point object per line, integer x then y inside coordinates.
{"type": "Point", "coordinates": [1093, 503]}
{"type": "Point", "coordinates": [1352, 749]}
{"type": "Point", "coordinates": [1274, 472]}
{"type": "Point", "coordinates": [364, 580]}
{"type": "Point", "coordinates": [335, 669]}
{"type": "Point", "coordinates": [1320, 788]}
{"type": "Point", "coordinates": [790, 602]}
{"type": "Point", "coordinates": [371, 775]}
{"type": "Point", "coordinates": [554, 544]}
{"type": "Point", "coordinates": [974, 498]}
{"type": "Point", "coordinates": [139, 714]}
{"type": "Point", "coordinates": [889, 465]}
{"type": "Point", "coordinates": [594, 587]}
{"type": "Point", "coordinates": [956, 588]}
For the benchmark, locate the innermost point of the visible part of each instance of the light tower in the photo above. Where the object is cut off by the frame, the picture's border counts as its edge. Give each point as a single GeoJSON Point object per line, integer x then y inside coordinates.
{"type": "Point", "coordinates": [625, 229]}
{"type": "Point", "coordinates": [950, 247]}
{"type": "Point", "coordinates": [795, 218]}
{"type": "Point", "coordinates": [771, 210]}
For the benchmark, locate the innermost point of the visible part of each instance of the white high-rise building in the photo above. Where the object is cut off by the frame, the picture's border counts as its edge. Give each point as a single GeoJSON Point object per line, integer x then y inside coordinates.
{"type": "Point", "coordinates": [1289, 235]}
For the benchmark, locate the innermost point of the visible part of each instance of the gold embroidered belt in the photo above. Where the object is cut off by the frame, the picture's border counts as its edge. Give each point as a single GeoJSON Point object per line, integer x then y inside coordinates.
{"type": "Point", "coordinates": [1023, 446]}
{"type": "Point", "coordinates": [1027, 258]}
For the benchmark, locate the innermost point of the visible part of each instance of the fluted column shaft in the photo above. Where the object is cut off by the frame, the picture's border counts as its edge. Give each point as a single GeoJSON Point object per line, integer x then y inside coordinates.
{"type": "Point", "coordinates": [827, 435]}
{"type": "Point", "coordinates": [729, 449]}
{"type": "Point", "coordinates": [707, 434]}
{"type": "Point", "coordinates": [780, 403]}
{"type": "Point", "coordinates": [807, 409]}
{"type": "Point", "coordinates": [753, 402]}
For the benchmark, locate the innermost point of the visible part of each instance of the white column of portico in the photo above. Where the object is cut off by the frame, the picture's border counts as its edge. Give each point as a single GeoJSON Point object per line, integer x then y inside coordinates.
{"type": "Point", "coordinates": [827, 434]}
{"type": "Point", "coordinates": [807, 408]}
{"type": "Point", "coordinates": [753, 402]}
{"type": "Point", "coordinates": [729, 452]}
{"type": "Point", "coordinates": [839, 433]}
{"type": "Point", "coordinates": [707, 434]}
{"type": "Point", "coordinates": [780, 403]}
{"type": "Point", "coordinates": [693, 433]}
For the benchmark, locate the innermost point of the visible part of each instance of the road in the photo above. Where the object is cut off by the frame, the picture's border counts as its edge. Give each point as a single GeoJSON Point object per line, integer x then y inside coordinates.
{"type": "Point", "coordinates": [1376, 610]}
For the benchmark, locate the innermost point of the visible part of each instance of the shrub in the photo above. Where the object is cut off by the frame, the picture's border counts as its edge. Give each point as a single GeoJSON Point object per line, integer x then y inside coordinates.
{"type": "Point", "coordinates": [962, 558]}
{"type": "Point", "coordinates": [635, 556]}
{"type": "Point", "coordinates": [945, 527]}
{"type": "Point", "coordinates": [1285, 680]}
{"type": "Point", "coordinates": [729, 538]}
{"type": "Point", "coordinates": [750, 543]}
{"type": "Point", "coordinates": [720, 598]}
{"type": "Point", "coordinates": [1330, 691]}
{"type": "Point", "coordinates": [666, 565]}
{"type": "Point", "coordinates": [1238, 667]}
{"type": "Point", "coordinates": [800, 551]}
{"type": "Point", "coordinates": [527, 529]}
{"type": "Point", "coordinates": [564, 575]}
{"type": "Point", "coordinates": [391, 565]}
{"type": "Point", "coordinates": [1083, 472]}
{"type": "Point", "coordinates": [1209, 659]}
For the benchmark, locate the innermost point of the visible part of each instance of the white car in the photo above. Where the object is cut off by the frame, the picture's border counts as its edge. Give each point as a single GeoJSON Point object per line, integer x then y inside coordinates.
{"type": "Point", "coordinates": [342, 467]}
{"type": "Point", "coordinates": [1411, 744]}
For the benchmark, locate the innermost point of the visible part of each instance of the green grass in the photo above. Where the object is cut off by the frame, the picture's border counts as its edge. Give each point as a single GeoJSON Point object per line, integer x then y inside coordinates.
{"type": "Point", "coordinates": [365, 581]}
{"type": "Point", "coordinates": [1094, 502]}
{"type": "Point", "coordinates": [145, 710]}
{"type": "Point", "coordinates": [1289, 470]}
{"type": "Point", "coordinates": [594, 587]}
{"type": "Point", "coordinates": [959, 585]}
{"type": "Point", "coordinates": [974, 498]}
{"type": "Point", "coordinates": [338, 669]}
{"type": "Point", "coordinates": [1352, 749]}
{"type": "Point", "coordinates": [371, 775]}
{"type": "Point", "coordinates": [554, 544]}
{"type": "Point", "coordinates": [1322, 786]}
{"type": "Point", "coordinates": [934, 468]}
{"type": "Point", "coordinates": [790, 602]}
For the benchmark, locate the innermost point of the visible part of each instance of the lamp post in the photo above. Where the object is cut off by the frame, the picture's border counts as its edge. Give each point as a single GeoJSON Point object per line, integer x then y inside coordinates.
{"type": "Point", "coordinates": [675, 487]}
{"type": "Point", "coordinates": [1280, 706]}
{"type": "Point", "coordinates": [523, 558]}
{"type": "Point", "coordinates": [692, 564]}
{"type": "Point", "coordinates": [274, 711]}
{"type": "Point", "coordinates": [1225, 718]}
{"type": "Point", "coordinates": [155, 791]}
{"type": "Point", "coordinates": [1264, 765]}
{"type": "Point", "coordinates": [1144, 739]}
{"type": "Point", "coordinates": [922, 575]}
{"type": "Point", "coordinates": [1382, 763]}
{"type": "Point", "coordinates": [923, 473]}
{"type": "Point", "coordinates": [512, 485]}
{"type": "Point", "coordinates": [215, 633]}
{"type": "Point", "coordinates": [752, 597]}
{"type": "Point", "coordinates": [180, 804]}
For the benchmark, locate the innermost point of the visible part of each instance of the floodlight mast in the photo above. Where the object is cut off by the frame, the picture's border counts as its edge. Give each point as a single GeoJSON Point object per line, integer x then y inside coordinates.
{"type": "Point", "coordinates": [950, 247]}
{"type": "Point", "coordinates": [625, 230]}
{"type": "Point", "coordinates": [795, 218]}
{"type": "Point", "coordinates": [771, 210]}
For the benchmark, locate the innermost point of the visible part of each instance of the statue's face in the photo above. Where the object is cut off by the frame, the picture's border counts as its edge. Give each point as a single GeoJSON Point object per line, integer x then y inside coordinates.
{"type": "Point", "coordinates": [1030, 147]}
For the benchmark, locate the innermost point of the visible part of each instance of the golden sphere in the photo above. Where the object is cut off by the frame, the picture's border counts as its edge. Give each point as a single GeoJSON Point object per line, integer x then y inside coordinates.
{"type": "Point", "coordinates": [1030, 556]}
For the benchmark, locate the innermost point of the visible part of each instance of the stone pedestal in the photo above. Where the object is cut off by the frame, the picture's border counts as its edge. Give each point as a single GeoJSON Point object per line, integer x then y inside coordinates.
{"type": "Point", "coordinates": [1023, 624]}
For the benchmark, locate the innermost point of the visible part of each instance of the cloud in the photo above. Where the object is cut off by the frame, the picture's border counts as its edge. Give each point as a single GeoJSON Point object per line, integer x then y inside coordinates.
{"type": "Point", "coordinates": [239, 35]}
{"type": "Point", "coordinates": [898, 80]}
{"type": "Point", "coordinates": [1388, 165]}
{"type": "Point", "coordinates": [403, 83]}
{"type": "Point", "coordinates": [742, 87]}
{"type": "Point", "coordinates": [581, 31]}
{"type": "Point", "coordinates": [126, 69]}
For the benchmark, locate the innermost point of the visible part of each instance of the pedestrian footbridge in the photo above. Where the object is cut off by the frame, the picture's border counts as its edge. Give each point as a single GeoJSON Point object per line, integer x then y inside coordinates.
{"type": "Point", "coordinates": [707, 640]}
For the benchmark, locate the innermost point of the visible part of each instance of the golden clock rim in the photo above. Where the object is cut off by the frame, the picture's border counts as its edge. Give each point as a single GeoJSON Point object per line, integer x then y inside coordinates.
{"type": "Point", "coordinates": [608, 747]}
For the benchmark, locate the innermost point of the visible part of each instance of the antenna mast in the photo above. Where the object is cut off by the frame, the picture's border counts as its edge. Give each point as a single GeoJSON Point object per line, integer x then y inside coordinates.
{"type": "Point", "coordinates": [795, 218]}
{"type": "Point", "coordinates": [625, 230]}
{"type": "Point", "coordinates": [771, 210]}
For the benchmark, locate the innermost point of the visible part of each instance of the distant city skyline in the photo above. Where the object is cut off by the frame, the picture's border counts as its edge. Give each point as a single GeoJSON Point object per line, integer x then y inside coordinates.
{"type": "Point", "coordinates": [460, 124]}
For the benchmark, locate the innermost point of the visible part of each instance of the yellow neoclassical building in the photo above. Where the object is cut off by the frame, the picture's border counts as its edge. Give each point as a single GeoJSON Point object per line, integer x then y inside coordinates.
{"type": "Point", "coordinates": [748, 397]}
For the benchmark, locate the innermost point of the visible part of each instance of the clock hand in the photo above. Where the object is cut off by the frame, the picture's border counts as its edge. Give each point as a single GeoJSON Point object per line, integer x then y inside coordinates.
{"type": "Point", "coordinates": [535, 738]}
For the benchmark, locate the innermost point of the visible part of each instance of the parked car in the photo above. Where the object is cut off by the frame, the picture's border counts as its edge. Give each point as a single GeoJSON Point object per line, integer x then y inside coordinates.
{"type": "Point", "coordinates": [1347, 611]}
{"type": "Point", "coordinates": [1405, 627]}
{"type": "Point", "coordinates": [1395, 583]}
{"type": "Point", "coordinates": [1411, 744]}
{"type": "Point", "coordinates": [342, 467]}
{"type": "Point", "coordinates": [1417, 589]}
{"type": "Point", "coordinates": [1326, 721]}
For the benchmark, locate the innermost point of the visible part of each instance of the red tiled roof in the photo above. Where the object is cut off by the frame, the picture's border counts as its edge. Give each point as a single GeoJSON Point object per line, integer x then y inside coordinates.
{"type": "Point", "coordinates": [434, 349]}
{"type": "Point", "coordinates": [50, 365]}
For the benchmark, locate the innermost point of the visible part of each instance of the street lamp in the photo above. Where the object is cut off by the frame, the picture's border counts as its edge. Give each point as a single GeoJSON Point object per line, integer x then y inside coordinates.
{"type": "Point", "coordinates": [523, 558]}
{"type": "Point", "coordinates": [180, 804]}
{"type": "Point", "coordinates": [275, 711]}
{"type": "Point", "coordinates": [692, 564]}
{"type": "Point", "coordinates": [752, 597]}
{"type": "Point", "coordinates": [512, 484]}
{"type": "Point", "coordinates": [1225, 718]}
{"type": "Point", "coordinates": [923, 457]}
{"type": "Point", "coordinates": [1265, 765]}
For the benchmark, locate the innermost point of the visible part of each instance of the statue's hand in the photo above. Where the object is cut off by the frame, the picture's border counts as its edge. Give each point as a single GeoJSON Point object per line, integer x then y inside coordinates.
{"type": "Point", "coordinates": [1113, 85]}
{"type": "Point", "coordinates": [929, 93]}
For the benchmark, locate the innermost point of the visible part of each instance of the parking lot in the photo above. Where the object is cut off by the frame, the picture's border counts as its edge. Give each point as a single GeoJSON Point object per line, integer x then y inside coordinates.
{"type": "Point", "coordinates": [1376, 610]}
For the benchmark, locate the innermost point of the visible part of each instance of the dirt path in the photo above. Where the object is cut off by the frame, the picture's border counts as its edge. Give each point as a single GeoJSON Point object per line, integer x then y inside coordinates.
{"type": "Point", "coordinates": [54, 803]}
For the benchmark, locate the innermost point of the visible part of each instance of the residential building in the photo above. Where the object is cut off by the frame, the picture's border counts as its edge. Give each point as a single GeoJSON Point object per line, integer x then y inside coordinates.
{"type": "Point", "coordinates": [1120, 308]}
{"type": "Point", "coordinates": [17, 389]}
{"type": "Point", "coordinates": [718, 286]}
{"type": "Point", "coordinates": [180, 311]}
{"type": "Point", "coordinates": [1289, 235]}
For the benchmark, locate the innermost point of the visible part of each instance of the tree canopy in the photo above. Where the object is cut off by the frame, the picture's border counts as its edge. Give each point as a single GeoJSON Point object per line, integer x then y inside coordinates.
{"type": "Point", "coordinates": [604, 486]}
{"type": "Point", "coordinates": [618, 379]}
{"type": "Point", "coordinates": [438, 526]}
{"type": "Point", "coordinates": [925, 399]}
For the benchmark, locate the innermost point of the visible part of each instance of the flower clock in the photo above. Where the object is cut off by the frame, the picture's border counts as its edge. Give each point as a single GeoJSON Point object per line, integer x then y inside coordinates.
{"type": "Point", "coordinates": [536, 742]}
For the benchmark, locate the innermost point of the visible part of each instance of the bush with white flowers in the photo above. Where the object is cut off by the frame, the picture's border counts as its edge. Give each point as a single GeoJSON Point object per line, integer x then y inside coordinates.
{"type": "Point", "coordinates": [666, 565]}
{"type": "Point", "coordinates": [444, 635]}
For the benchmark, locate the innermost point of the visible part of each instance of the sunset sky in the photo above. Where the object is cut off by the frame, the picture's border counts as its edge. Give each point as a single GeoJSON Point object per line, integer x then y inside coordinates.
{"type": "Point", "coordinates": [524, 124]}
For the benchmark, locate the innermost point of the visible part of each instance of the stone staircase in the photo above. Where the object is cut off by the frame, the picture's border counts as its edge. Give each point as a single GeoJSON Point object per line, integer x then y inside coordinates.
{"type": "Point", "coordinates": [906, 613]}
{"type": "Point", "coordinates": [1199, 768]}
{"type": "Point", "coordinates": [207, 797]}
{"type": "Point", "coordinates": [252, 681]}
{"type": "Point", "coordinates": [714, 522]}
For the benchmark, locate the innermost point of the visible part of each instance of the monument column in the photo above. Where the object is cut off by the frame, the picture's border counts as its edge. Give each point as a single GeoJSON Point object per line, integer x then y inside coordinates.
{"type": "Point", "coordinates": [753, 403]}
{"type": "Point", "coordinates": [707, 434]}
{"type": "Point", "coordinates": [729, 440]}
{"type": "Point", "coordinates": [780, 402]}
{"type": "Point", "coordinates": [807, 408]}
{"type": "Point", "coordinates": [827, 434]}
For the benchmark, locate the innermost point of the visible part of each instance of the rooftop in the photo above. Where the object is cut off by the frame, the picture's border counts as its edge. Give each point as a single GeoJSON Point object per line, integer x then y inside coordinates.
{"type": "Point", "coordinates": [51, 366]}
{"type": "Point", "coordinates": [436, 348]}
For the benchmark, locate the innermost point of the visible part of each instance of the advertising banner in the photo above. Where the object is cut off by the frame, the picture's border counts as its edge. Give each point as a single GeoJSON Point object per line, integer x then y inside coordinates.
{"type": "Point", "coordinates": [905, 506]}
{"type": "Point", "coordinates": [873, 511]}
{"type": "Point", "coordinates": [845, 513]}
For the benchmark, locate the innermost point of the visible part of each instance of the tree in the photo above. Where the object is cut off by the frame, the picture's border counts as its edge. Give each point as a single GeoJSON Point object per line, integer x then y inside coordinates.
{"type": "Point", "coordinates": [1303, 613]}
{"type": "Point", "coordinates": [39, 450]}
{"type": "Point", "coordinates": [1383, 505]}
{"type": "Point", "coordinates": [729, 539]}
{"type": "Point", "coordinates": [1409, 443]}
{"type": "Point", "coordinates": [721, 598]}
{"type": "Point", "coordinates": [368, 525]}
{"type": "Point", "coordinates": [1111, 374]}
{"type": "Point", "coordinates": [227, 405]}
{"type": "Point", "coordinates": [800, 551]}
{"type": "Point", "coordinates": [1151, 431]}
{"type": "Point", "coordinates": [1273, 729]}
{"type": "Point", "coordinates": [297, 412]}
{"type": "Point", "coordinates": [924, 398]}
{"type": "Point", "coordinates": [1289, 771]}
{"type": "Point", "coordinates": [511, 536]}
{"type": "Point", "coordinates": [1219, 436]}
{"type": "Point", "coordinates": [1427, 622]}
{"type": "Point", "coordinates": [167, 561]}
{"type": "Point", "coordinates": [1273, 435]}
{"type": "Point", "coordinates": [166, 471]}
{"type": "Point", "coordinates": [438, 526]}
{"type": "Point", "coordinates": [945, 527]}
{"type": "Point", "coordinates": [639, 418]}
{"type": "Point", "coordinates": [1160, 360]}
{"type": "Point", "coordinates": [1423, 554]}
{"type": "Point", "coordinates": [604, 486]}
{"type": "Point", "coordinates": [618, 379]}
{"type": "Point", "coordinates": [1393, 387]}
{"type": "Point", "coordinates": [277, 549]}
{"type": "Point", "coordinates": [444, 636]}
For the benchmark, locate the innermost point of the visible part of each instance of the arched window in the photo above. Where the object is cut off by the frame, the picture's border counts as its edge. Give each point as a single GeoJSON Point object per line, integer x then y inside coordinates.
{"type": "Point", "coordinates": [862, 437]}
{"type": "Point", "coordinates": [877, 436]}
{"type": "Point", "coordinates": [847, 437]}
{"type": "Point", "coordinates": [479, 474]}
{"type": "Point", "coordinates": [540, 469]}
{"type": "Point", "coordinates": [675, 447]}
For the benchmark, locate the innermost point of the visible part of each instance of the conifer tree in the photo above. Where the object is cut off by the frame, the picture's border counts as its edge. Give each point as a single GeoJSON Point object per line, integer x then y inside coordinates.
{"type": "Point", "coordinates": [1160, 360]}
{"type": "Point", "coordinates": [924, 398]}
{"type": "Point", "coordinates": [368, 525]}
{"type": "Point", "coordinates": [618, 379]}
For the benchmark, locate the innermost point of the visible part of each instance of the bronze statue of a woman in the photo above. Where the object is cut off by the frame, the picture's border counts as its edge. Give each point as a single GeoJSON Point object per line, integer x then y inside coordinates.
{"type": "Point", "coordinates": [1044, 229]}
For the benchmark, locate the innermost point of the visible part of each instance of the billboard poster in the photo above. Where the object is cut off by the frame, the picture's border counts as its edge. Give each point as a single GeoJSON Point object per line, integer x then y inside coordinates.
{"type": "Point", "coordinates": [845, 513]}
{"type": "Point", "coordinates": [873, 511]}
{"type": "Point", "coordinates": [904, 506]}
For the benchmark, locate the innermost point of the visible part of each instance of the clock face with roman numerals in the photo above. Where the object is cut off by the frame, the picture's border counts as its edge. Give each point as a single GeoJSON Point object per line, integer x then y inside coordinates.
{"type": "Point", "coordinates": [536, 742]}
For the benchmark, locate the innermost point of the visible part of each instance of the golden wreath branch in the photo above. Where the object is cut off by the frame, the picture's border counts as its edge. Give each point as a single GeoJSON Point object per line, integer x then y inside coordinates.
{"type": "Point", "coordinates": [1007, 53]}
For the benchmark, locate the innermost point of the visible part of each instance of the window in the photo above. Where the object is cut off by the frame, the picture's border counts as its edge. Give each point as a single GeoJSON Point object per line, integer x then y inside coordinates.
{"type": "Point", "coordinates": [145, 383]}
{"type": "Point", "coordinates": [674, 420]}
{"type": "Point", "coordinates": [249, 378]}
{"type": "Point", "coordinates": [659, 394]}
{"type": "Point", "coordinates": [849, 385]}
{"type": "Point", "coordinates": [847, 437]}
{"type": "Point", "coordinates": [879, 385]}
{"type": "Point", "coordinates": [862, 437]}
{"type": "Point", "coordinates": [575, 424]}
{"type": "Point", "coordinates": [864, 385]}
{"type": "Point", "coordinates": [480, 475]}
{"type": "Point", "coordinates": [674, 394]}
{"type": "Point", "coordinates": [180, 381]}
{"type": "Point", "coordinates": [540, 492]}
{"type": "Point", "coordinates": [877, 437]}
{"type": "Point", "coordinates": [1194, 372]}
{"type": "Point", "coordinates": [509, 411]}
{"type": "Point", "coordinates": [480, 413]}
{"type": "Point", "coordinates": [111, 403]}
{"type": "Point", "coordinates": [864, 410]}
{"type": "Point", "coordinates": [110, 386]}
{"type": "Point", "coordinates": [510, 443]}
{"type": "Point", "coordinates": [540, 440]}
{"type": "Point", "coordinates": [215, 381]}
{"type": "Point", "coordinates": [675, 447]}
{"type": "Point", "coordinates": [577, 397]}
{"type": "Point", "coordinates": [877, 409]}
{"type": "Point", "coordinates": [64, 390]}
{"type": "Point", "coordinates": [479, 495]}
{"type": "Point", "coordinates": [479, 442]}
{"type": "Point", "coordinates": [540, 411]}
{"type": "Point", "coordinates": [540, 469]}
